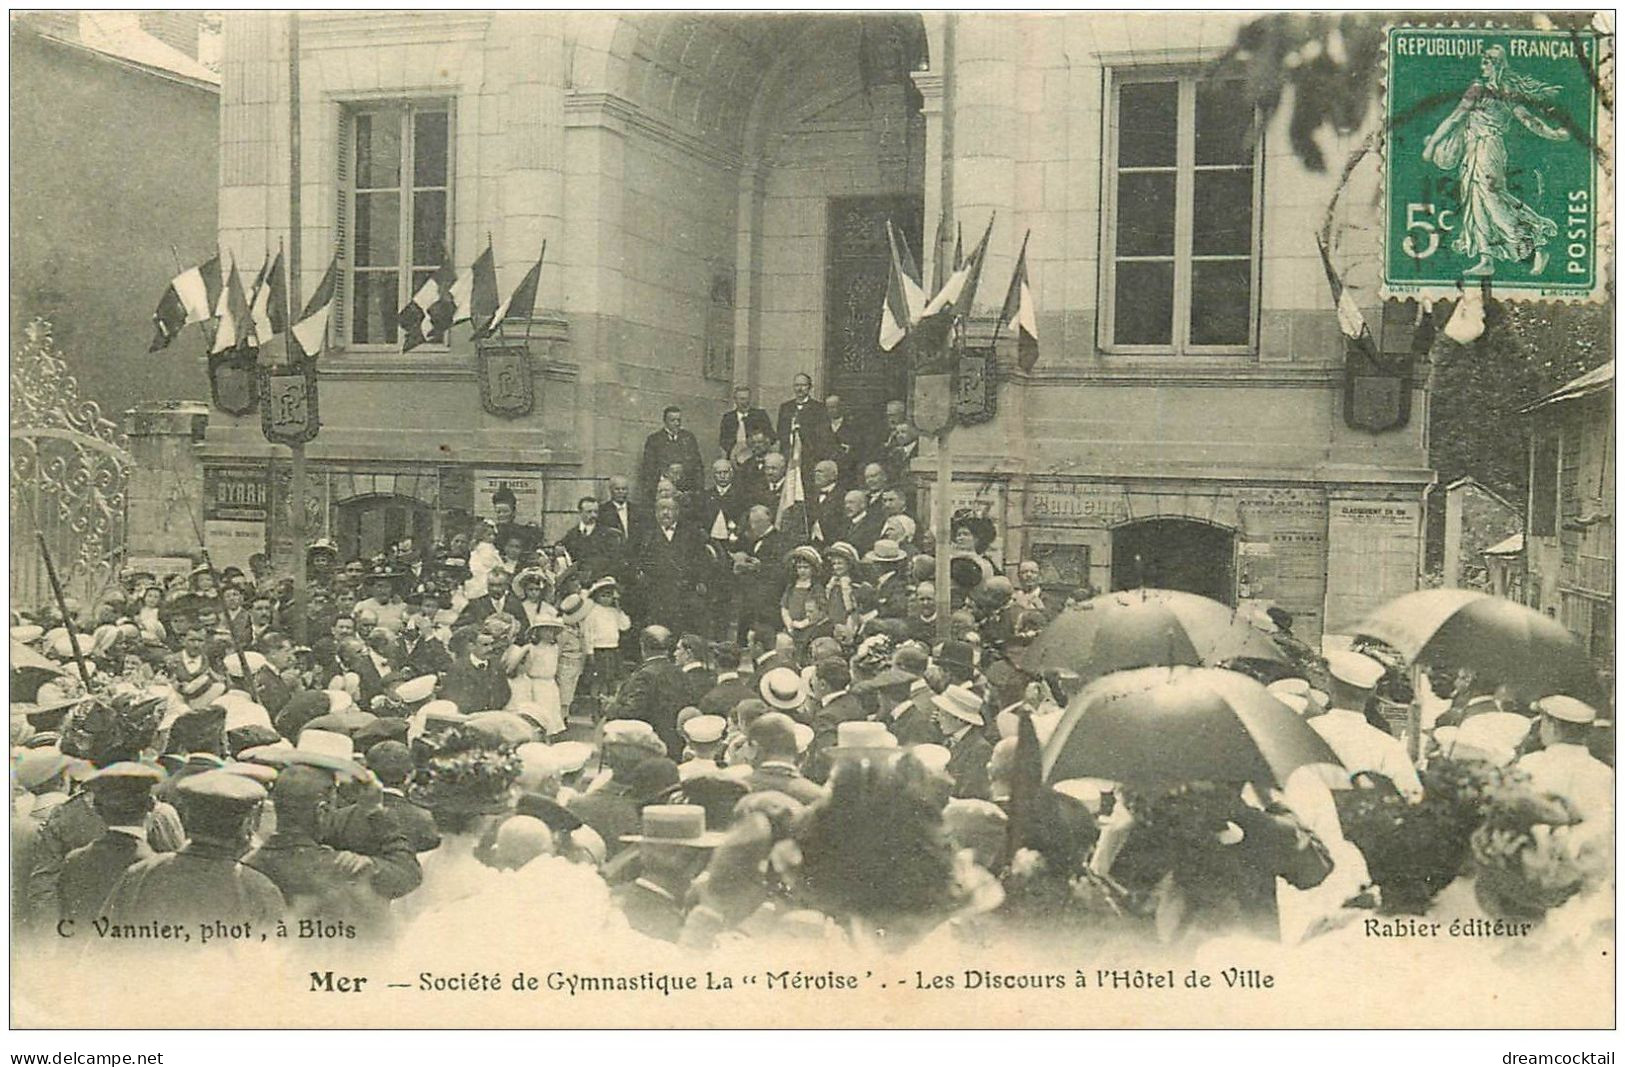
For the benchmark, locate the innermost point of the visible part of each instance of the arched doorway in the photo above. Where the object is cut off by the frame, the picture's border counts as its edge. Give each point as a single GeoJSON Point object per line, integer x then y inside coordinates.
{"type": "Point", "coordinates": [368, 525]}
{"type": "Point", "coordinates": [1194, 557]}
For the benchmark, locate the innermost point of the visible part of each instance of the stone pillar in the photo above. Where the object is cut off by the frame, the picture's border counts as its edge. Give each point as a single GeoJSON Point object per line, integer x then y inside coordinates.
{"type": "Point", "coordinates": [165, 493]}
{"type": "Point", "coordinates": [986, 136]}
{"type": "Point", "coordinates": [748, 275]}
{"type": "Point", "coordinates": [938, 183]}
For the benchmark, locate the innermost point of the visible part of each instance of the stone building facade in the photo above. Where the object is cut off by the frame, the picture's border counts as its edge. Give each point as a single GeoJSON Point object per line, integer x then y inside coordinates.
{"type": "Point", "coordinates": [712, 190]}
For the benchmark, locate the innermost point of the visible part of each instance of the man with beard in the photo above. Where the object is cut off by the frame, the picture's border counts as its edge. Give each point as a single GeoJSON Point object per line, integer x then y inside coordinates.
{"type": "Point", "coordinates": [671, 569]}
{"type": "Point", "coordinates": [739, 423]}
{"type": "Point", "coordinates": [594, 547]}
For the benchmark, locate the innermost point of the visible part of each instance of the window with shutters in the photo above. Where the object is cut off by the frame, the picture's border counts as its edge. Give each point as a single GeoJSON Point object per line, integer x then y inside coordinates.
{"type": "Point", "coordinates": [1179, 258]}
{"type": "Point", "coordinates": [395, 182]}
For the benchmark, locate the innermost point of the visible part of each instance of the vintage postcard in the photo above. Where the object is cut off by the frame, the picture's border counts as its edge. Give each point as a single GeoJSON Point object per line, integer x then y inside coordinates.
{"type": "Point", "coordinates": [811, 519]}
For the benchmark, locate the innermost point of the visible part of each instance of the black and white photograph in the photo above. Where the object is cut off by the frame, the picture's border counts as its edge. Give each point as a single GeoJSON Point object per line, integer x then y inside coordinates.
{"type": "Point", "coordinates": [819, 519]}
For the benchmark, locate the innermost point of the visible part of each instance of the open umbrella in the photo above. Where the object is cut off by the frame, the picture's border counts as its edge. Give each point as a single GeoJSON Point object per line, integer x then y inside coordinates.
{"type": "Point", "coordinates": [1495, 637]}
{"type": "Point", "coordinates": [1180, 724]}
{"type": "Point", "coordinates": [1146, 628]}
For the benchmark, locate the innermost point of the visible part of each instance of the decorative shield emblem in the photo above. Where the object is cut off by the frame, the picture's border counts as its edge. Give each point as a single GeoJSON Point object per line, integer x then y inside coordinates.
{"type": "Point", "coordinates": [973, 388]}
{"type": "Point", "coordinates": [505, 382]}
{"type": "Point", "coordinates": [233, 381]}
{"type": "Point", "coordinates": [1376, 397]}
{"type": "Point", "coordinates": [289, 413]}
{"type": "Point", "coordinates": [933, 402]}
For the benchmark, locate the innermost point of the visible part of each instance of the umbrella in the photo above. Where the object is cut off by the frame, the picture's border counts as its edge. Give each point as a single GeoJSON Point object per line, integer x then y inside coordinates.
{"type": "Point", "coordinates": [1146, 628]}
{"type": "Point", "coordinates": [29, 671]}
{"type": "Point", "coordinates": [1495, 637]}
{"type": "Point", "coordinates": [1180, 724]}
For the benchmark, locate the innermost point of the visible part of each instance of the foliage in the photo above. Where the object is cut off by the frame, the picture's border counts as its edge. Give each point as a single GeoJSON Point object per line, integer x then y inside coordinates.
{"type": "Point", "coordinates": [1527, 351]}
{"type": "Point", "coordinates": [1332, 65]}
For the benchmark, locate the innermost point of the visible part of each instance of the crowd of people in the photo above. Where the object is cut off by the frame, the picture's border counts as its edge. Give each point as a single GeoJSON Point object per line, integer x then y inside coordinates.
{"type": "Point", "coordinates": [710, 714]}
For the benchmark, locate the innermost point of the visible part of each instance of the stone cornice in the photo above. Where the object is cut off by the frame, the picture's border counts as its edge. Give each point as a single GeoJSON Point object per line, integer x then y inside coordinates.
{"type": "Point", "coordinates": [618, 113]}
{"type": "Point", "coordinates": [391, 27]}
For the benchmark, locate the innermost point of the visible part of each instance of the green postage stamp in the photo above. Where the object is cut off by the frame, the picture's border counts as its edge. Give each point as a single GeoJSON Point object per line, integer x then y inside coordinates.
{"type": "Point", "coordinates": [1492, 162]}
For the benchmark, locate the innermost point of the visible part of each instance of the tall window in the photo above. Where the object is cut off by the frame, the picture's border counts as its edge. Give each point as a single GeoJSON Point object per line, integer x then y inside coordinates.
{"type": "Point", "coordinates": [395, 209]}
{"type": "Point", "coordinates": [1182, 166]}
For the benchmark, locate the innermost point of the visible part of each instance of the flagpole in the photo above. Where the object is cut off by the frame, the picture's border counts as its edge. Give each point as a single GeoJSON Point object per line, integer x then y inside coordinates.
{"type": "Point", "coordinates": [291, 343]}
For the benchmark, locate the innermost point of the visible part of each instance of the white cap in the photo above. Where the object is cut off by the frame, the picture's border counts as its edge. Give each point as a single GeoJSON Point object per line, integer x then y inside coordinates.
{"type": "Point", "coordinates": [1566, 709]}
{"type": "Point", "coordinates": [1295, 686]}
{"type": "Point", "coordinates": [1296, 701]}
{"type": "Point", "coordinates": [570, 756]}
{"type": "Point", "coordinates": [933, 758]}
{"type": "Point", "coordinates": [1355, 669]}
{"type": "Point", "coordinates": [705, 729]}
{"type": "Point", "coordinates": [327, 743]}
{"type": "Point", "coordinates": [242, 713]}
{"type": "Point", "coordinates": [416, 689]}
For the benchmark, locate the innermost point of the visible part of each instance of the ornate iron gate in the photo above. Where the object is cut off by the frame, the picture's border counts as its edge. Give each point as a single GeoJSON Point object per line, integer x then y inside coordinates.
{"type": "Point", "coordinates": [69, 470]}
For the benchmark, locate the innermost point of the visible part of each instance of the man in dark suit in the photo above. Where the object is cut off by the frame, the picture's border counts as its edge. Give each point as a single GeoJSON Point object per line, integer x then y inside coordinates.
{"type": "Point", "coordinates": [653, 692]}
{"type": "Point", "coordinates": [671, 569]}
{"type": "Point", "coordinates": [834, 704]}
{"type": "Point", "coordinates": [826, 510]}
{"type": "Point", "coordinates": [122, 797]}
{"type": "Point", "coordinates": [959, 717]}
{"type": "Point", "coordinates": [847, 440]}
{"type": "Point", "coordinates": [771, 743]}
{"type": "Point", "coordinates": [804, 422]}
{"type": "Point", "coordinates": [734, 681]}
{"type": "Point", "coordinates": [759, 566]}
{"type": "Point", "coordinates": [861, 523]}
{"type": "Point", "coordinates": [667, 445]}
{"type": "Point", "coordinates": [620, 514]}
{"type": "Point", "coordinates": [594, 546]}
{"type": "Point", "coordinates": [691, 656]}
{"type": "Point", "coordinates": [475, 681]}
{"type": "Point", "coordinates": [724, 498]}
{"type": "Point", "coordinates": [739, 422]}
{"type": "Point", "coordinates": [420, 650]}
{"type": "Point", "coordinates": [499, 597]}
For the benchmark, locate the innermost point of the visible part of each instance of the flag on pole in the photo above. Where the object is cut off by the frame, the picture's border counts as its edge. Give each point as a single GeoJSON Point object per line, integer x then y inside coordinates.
{"type": "Point", "coordinates": [959, 291]}
{"type": "Point", "coordinates": [483, 301]}
{"type": "Point", "coordinates": [311, 329]}
{"type": "Point", "coordinates": [191, 297]}
{"type": "Point", "coordinates": [268, 307]}
{"type": "Point", "coordinates": [1020, 313]}
{"type": "Point", "coordinates": [431, 306]}
{"type": "Point", "coordinates": [233, 312]}
{"type": "Point", "coordinates": [521, 302]}
{"type": "Point", "coordinates": [905, 300]}
{"type": "Point", "coordinates": [1349, 318]}
{"type": "Point", "coordinates": [791, 492]}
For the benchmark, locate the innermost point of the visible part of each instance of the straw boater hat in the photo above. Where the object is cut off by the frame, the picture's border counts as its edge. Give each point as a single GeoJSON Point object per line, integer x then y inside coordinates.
{"type": "Point", "coordinates": [416, 689]}
{"type": "Point", "coordinates": [675, 824]}
{"type": "Point", "coordinates": [962, 703]}
{"type": "Point", "coordinates": [575, 608]}
{"type": "Point", "coordinates": [863, 738]}
{"type": "Point", "coordinates": [783, 689]}
{"type": "Point", "coordinates": [885, 551]}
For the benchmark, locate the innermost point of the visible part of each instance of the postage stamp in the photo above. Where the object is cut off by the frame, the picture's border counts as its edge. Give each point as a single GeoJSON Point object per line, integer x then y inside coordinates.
{"type": "Point", "coordinates": [1492, 162]}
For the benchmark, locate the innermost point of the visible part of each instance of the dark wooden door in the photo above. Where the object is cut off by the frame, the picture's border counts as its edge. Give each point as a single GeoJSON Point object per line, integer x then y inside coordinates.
{"type": "Point", "coordinates": [855, 277]}
{"type": "Point", "coordinates": [1192, 557]}
{"type": "Point", "coordinates": [370, 525]}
